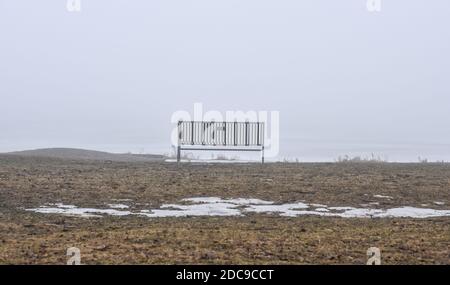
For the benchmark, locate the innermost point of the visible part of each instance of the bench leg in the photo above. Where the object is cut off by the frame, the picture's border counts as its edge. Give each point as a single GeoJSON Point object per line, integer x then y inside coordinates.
{"type": "Point", "coordinates": [178, 153]}
{"type": "Point", "coordinates": [262, 155]}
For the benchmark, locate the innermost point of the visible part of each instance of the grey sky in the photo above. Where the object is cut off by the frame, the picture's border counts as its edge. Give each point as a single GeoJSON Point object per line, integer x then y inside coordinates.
{"type": "Point", "coordinates": [115, 72]}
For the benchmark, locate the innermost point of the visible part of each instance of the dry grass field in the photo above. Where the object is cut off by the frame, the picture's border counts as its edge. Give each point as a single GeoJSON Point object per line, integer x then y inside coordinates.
{"type": "Point", "coordinates": [35, 238]}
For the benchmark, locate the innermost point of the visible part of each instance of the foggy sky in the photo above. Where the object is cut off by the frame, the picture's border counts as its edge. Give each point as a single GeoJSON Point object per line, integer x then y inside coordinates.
{"type": "Point", "coordinates": [116, 71]}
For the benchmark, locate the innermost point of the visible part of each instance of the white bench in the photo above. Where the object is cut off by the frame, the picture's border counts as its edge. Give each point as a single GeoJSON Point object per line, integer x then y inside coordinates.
{"type": "Point", "coordinates": [220, 136]}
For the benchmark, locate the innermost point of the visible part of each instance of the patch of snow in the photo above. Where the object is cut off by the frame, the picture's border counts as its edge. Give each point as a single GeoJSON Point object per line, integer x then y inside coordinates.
{"type": "Point", "coordinates": [242, 201]}
{"type": "Point", "coordinates": [215, 206]}
{"type": "Point", "coordinates": [359, 213]}
{"type": "Point", "coordinates": [61, 205]}
{"type": "Point", "coordinates": [118, 206]}
{"type": "Point", "coordinates": [370, 204]}
{"type": "Point", "coordinates": [238, 201]}
{"type": "Point", "coordinates": [321, 210]}
{"type": "Point", "coordinates": [439, 203]}
{"type": "Point", "coordinates": [411, 212]}
{"type": "Point", "coordinates": [382, 196]}
{"type": "Point", "coordinates": [70, 210]}
{"type": "Point", "coordinates": [204, 209]}
{"type": "Point", "coordinates": [341, 208]}
{"type": "Point", "coordinates": [276, 208]}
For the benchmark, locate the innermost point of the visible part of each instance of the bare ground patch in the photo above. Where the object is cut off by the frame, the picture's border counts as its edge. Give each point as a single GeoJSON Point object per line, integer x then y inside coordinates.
{"type": "Point", "coordinates": [27, 237]}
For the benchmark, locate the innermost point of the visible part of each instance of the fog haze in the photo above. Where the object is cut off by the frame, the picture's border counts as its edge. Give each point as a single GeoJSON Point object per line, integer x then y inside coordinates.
{"type": "Point", "coordinates": [110, 77]}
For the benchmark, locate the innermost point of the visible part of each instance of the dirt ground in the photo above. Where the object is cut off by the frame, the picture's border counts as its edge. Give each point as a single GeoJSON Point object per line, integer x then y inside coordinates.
{"type": "Point", "coordinates": [33, 238]}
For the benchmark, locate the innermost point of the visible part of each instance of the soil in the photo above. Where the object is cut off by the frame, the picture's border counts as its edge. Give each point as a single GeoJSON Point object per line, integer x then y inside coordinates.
{"type": "Point", "coordinates": [33, 238]}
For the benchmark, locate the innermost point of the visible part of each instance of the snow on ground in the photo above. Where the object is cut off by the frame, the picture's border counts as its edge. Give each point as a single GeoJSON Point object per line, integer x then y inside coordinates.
{"type": "Point", "coordinates": [382, 196]}
{"type": "Point", "coordinates": [215, 206]}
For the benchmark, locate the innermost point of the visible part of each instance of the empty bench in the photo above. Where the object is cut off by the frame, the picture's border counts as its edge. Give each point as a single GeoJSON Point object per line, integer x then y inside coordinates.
{"type": "Point", "coordinates": [220, 136]}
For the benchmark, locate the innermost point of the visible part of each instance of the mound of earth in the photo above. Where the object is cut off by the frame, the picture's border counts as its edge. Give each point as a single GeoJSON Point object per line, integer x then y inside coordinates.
{"type": "Point", "coordinates": [82, 154]}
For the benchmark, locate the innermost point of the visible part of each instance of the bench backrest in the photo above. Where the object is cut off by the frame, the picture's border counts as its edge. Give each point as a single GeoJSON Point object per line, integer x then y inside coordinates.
{"type": "Point", "coordinates": [221, 133]}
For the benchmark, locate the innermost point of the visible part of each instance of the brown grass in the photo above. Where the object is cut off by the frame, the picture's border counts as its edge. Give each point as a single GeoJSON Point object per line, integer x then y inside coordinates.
{"type": "Point", "coordinates": [27, 237]}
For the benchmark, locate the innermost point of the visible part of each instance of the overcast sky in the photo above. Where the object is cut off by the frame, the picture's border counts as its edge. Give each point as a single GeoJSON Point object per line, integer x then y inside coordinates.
{"type": "Point", "coordinates": [116, 71]}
